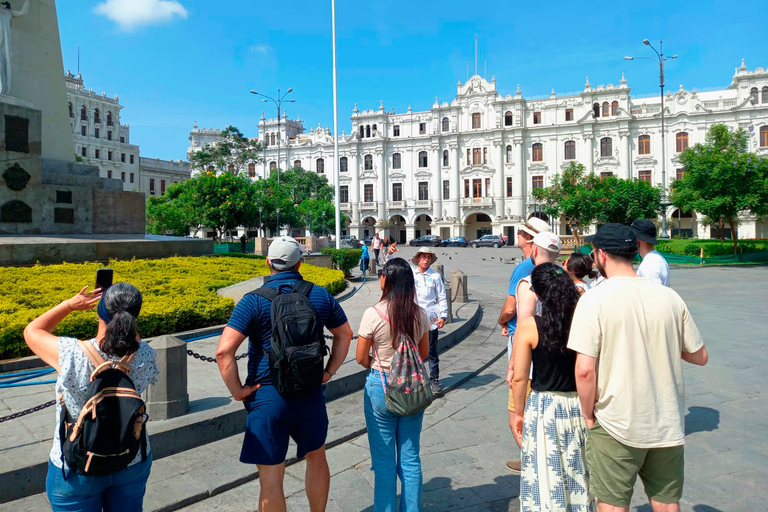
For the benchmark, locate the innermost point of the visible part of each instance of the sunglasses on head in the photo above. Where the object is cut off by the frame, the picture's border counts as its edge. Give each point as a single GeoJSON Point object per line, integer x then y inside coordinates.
{"type": "Point", "coordinates": [380, 272]}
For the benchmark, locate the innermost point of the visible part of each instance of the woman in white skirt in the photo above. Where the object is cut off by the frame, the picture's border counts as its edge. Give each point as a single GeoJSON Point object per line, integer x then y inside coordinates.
{"type": "Point", "coordinates": [551, 431]}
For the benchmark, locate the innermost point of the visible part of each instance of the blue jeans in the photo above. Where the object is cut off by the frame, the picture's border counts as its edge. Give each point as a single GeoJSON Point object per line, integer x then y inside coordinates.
{"type": "Point", "coordinates": [119, 492]}
{"type": "Point", "coordinates": [394, 443]}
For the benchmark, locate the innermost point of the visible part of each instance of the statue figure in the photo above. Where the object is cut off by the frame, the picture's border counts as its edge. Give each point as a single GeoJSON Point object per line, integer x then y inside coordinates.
{"type": "Point", "coordinates": [6, 13]}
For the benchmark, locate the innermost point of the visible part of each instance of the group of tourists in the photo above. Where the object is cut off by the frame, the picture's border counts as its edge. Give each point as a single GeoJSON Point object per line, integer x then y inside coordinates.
{"type": "Point", "coordinates": [595, 377]}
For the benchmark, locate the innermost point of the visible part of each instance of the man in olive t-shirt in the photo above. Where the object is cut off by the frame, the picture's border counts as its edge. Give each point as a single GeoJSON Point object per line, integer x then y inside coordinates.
{"type": "Point", "coordinates": [631, 335]}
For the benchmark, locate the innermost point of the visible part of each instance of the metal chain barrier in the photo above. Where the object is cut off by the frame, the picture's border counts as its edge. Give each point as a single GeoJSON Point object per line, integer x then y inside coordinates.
{"type": "Point", "coordinates": [208, 359]}
{"type": "Point", "coordinates": [28, 411]}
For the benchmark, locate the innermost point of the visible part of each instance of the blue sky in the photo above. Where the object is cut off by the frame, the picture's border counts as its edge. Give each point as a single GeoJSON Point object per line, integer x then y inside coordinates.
{"type": "Point", "coordinates": [174, 62]}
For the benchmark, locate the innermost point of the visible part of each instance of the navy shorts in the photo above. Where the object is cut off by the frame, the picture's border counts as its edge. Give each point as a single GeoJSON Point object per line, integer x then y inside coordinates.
{"type": "Point", "coordinates": [272, 419]}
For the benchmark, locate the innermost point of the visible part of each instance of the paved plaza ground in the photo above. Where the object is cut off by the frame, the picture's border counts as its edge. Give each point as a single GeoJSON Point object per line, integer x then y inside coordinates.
{"type": "Point", "coordinates": [466, 440]}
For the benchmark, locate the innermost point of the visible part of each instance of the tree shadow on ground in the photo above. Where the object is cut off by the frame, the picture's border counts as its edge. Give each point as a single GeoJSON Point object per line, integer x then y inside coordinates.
{"type": "Point", "coordinates": [701, 419]}
{"type": "Point", "coordinates": [499, 496]}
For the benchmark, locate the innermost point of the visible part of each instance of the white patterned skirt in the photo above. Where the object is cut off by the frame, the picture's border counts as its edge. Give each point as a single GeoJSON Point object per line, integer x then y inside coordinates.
{"type": "Point", "coordinates": [554, 475]}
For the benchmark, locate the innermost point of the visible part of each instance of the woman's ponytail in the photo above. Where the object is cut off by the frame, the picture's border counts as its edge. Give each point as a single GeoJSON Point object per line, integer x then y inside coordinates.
{"type": "Point", "coordinates": [122, 303]}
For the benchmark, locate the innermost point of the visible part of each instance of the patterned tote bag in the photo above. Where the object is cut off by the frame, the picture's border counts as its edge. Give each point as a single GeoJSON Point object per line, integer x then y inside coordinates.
{"type": "Point", "coordinates": [408, 391]}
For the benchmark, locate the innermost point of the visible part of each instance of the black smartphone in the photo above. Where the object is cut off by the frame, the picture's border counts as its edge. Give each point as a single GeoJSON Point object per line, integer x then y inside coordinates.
{"type": "Point", "coordinates": [104, 278]}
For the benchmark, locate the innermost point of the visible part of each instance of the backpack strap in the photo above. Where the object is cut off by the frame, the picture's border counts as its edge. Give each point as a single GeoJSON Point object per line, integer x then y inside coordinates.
{"type": "Point", "coordinates": [93, 355]}
{"type": "Point", "coordinates": [124, 364]}
{"type": "Point", "coordinates": [266, 292]}
{"type": "Point", "coordinates": [303, 287]}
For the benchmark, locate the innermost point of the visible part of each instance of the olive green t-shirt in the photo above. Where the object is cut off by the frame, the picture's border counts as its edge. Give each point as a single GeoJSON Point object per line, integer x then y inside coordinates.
{"type": "Point", "coordinates": [637, 330]}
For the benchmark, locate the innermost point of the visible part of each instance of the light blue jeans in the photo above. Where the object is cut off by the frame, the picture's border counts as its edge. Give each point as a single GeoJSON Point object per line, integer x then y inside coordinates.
{"type": "Point", "coordinates": [119, 492]}
{"type": "Point", "coordinates": [394, 443]}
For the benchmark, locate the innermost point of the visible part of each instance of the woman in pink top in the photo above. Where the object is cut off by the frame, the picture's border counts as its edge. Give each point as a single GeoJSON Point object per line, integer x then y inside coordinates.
{"type": "Point", "coordinates": [393, 440]}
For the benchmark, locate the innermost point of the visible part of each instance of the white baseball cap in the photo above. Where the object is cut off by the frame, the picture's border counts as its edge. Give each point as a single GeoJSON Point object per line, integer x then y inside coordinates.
{"type": "Point", "coordinates": [284, 252]}
{"type": "Point", "coordinates": [548, 241]}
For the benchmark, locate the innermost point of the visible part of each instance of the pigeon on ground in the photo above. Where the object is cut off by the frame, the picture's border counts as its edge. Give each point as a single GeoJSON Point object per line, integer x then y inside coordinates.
{"type": "Point", "coordinates": [483, 259]}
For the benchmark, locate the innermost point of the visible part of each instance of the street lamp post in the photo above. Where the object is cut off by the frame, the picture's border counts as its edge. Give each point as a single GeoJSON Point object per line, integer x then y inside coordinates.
{"type": "Point", "coordinates": [277, 210]}
{"type": "Point", "coordinates": [664, 203]}
{"type": "Point", "coordinates": [261, 231]}
{"type": "Point", "coordinates": [279, 103]}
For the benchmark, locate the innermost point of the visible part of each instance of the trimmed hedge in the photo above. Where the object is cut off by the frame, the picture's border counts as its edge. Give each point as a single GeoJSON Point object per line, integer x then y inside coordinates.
{"type": "Point", "coordinates": [179, 293]}
{"type": "Point", "coordinates": [344, 259]}
{"type": "Point", "coordinates": [692, 247]}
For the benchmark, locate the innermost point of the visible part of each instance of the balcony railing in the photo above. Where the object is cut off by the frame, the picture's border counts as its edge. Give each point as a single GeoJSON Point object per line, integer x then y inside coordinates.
{"type": "Point", "coordinates": [345, 206]}
{"type": "Point", "coordinates": [423, 203]}
{"type": "Point", "coordinates": [369, 205]}
{"type": "Point", "coordinates": [397, 204]}
{"type": "Point", "coordinates": [477, 202]}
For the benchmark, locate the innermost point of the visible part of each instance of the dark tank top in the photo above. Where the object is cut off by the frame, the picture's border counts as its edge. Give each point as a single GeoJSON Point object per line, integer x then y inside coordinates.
{"type": "Point", "coordinates": [552, 372]}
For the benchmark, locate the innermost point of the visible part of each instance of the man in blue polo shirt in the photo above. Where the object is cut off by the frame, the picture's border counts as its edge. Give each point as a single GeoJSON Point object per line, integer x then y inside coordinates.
{"type": "Point", "coordinates": [272, 418]}
{"type": "Point", "coordinates": [508, 316]}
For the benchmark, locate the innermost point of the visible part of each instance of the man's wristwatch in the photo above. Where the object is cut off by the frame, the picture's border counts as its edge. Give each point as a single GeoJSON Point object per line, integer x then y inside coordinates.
{"type": "Point", "coordinates": [329, 372]}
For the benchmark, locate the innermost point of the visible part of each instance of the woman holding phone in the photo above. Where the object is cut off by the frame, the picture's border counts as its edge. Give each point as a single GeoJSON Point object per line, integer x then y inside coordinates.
{"type": "Point", "coordinates": [117, 336]}
{"type": "Point", "coordinates": [393, 440]}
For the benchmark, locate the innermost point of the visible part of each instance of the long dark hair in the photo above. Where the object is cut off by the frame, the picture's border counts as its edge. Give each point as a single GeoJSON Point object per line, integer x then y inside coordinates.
{"type": "Point", "coordinates": [581, 266]}
{"type": "Point", "coordinates": [558, 296]}
{"type": "Point", "coordinates": [400, 292]}
{"type": "Point", "coordinates": [123, 304]}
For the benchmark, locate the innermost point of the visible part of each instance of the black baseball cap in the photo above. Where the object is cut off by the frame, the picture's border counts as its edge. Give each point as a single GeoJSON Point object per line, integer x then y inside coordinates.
{"type": "Point", "coordinates": [645, 230]}
{"type": "Point", "coordinates": [615, 239]}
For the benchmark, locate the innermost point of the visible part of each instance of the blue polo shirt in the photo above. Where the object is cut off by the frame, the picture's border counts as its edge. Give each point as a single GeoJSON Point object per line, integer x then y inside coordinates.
{"type": "Point", "coordinates": [524, 269]}
{"type": "Point", "coordinates": [251, 318]}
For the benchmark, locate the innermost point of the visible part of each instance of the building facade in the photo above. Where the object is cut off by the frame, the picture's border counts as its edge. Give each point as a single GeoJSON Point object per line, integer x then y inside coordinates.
{"type": "Point", "coordinates": [157, 174]}
{"type": "Point", "coordinates": [99, 137]}
{"type": "Point", "coordinates": [467, 167]}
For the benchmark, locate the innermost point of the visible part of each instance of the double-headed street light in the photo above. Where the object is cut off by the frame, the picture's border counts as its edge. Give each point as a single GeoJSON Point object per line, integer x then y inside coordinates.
{"type": "Point", "coordinates": [279, 103]}
{"type": "Point", "coordinates": [664, 203]}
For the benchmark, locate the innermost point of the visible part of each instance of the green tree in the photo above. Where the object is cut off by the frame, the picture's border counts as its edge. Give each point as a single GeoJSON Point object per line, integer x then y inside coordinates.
{"type": "Point", "coordinates": [574, 194]}
{"type": "Point", "coordinates": [230, 154]}
{"type": "Point", "coordinates": [627, 200]}
{"type": "Point", "coordinates": [166, 217]}
{"type": "Point", "coordinates": [722, 179]}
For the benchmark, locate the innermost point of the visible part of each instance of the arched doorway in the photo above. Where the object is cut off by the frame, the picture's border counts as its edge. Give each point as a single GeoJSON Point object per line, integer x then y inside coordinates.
{"type": "Point", "coordinates": [397, 231]}
{"type": "Point", "coordinates": [682, 223]}
{"type": "Point", "coordinates": [368, 226]}
{"type": "Point", "coordinates": [422, 225]}
{"type": "Point", "coordinates": [477, 225]}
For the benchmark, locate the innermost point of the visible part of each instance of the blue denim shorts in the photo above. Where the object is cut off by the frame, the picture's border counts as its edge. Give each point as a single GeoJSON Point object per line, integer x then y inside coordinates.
{"type": "Point", "coordinates": [273, 419]}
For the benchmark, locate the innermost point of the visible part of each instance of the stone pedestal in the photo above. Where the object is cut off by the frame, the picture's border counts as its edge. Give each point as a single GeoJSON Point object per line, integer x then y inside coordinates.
{"type": "Point", "coordinates": [311, 243]}
{"type": "Point", "coordinates": [438, 267]}
{"type": "Point", "coordinates": [459, 286]}
{"type": "Point", "coordinates": [168, 398]}
{"type": "Point", "coordinates": [449, 302]}
{"type": "Point", "coordinates": [260, 246]}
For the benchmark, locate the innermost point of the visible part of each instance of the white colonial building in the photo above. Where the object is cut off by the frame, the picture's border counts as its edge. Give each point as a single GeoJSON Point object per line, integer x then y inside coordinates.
{"type": "Point", "coordinates": [99, 137]}
{"type": "Point", "coordinates": [467, 167]}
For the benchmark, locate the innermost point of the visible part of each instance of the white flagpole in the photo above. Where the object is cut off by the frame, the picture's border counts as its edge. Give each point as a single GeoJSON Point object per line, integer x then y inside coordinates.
{"type": "Point", "coordinates": [336, 129]}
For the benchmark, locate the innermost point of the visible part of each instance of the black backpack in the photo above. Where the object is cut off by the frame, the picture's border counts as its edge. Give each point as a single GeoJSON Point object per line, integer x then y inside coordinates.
{"type": "Point", "coordinates": [297, 344]}
{"type": "Point", "coordinates": [111, 427]}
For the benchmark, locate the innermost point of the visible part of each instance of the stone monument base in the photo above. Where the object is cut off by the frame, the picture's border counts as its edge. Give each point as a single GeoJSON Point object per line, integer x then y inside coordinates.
{"type": "Point", "coordinates": [19, 250]}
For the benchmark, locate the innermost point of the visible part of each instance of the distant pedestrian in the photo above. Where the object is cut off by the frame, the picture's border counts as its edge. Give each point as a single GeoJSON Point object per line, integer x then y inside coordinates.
{"type": "Point", "coordinates": [243, 241]}
{"type": "Point", "coordinates": [579, 266]}
{"type": "Point", "coordinates": [430, 294]}
{"type": "Point", "coordinates": [551, 431]}
{"type": "Point", "coordinates": [632, 335]}
{"type": "Point", "coordinates": [653, 266]}
{"type": "Point", "coordinates": [508, 316]}
{"type": "Point", "coordinates": [365, 258]}
{"type": "Point", "coordinates": [376, 246]}
{"type": "Point", "coordinates": [394, 440]}
{"type": "Point", "coordinates": [274, 417]}
{"type": "Point", "coordinates": [117, 339]}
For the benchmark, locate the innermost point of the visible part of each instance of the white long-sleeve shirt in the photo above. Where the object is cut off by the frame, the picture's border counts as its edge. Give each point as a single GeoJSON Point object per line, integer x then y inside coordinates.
{"type": "Point", "coordinates": [430, 294]}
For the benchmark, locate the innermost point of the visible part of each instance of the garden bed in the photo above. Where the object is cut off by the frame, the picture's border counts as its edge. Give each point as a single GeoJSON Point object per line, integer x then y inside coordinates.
{"type": "Point", "coordinates": [179, 293]}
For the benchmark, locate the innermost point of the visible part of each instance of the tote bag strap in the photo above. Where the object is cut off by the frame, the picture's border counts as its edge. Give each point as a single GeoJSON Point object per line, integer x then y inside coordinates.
{"type": "Point", "coordinates": [376, 353]}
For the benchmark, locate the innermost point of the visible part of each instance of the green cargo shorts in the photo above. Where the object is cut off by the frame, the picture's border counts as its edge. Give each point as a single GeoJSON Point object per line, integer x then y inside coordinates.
{"type": "Point", "coordinates": [614, 467]}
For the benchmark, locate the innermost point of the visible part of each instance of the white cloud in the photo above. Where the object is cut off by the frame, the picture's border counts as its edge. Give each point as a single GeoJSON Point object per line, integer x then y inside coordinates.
{"type": "Point", "coordinates": [259, 48]}
{"type": "Point", "coordinates": [133, 14]}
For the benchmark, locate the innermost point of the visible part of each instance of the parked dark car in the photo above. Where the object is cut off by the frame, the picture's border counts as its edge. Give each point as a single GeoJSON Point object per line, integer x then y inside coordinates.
{"type": "Point", "coordinates": [430, 240]}
{"type": "Point", "coordinates": [456, 241]}
{"type": "Point", "coordinates": [367, 240]}
{"type": "Point", "coordinates": [494, 241]}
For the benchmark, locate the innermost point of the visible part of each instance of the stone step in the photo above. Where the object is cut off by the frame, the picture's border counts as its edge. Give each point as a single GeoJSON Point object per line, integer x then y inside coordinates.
{"type": "Point", "coordinates": [192, 475]}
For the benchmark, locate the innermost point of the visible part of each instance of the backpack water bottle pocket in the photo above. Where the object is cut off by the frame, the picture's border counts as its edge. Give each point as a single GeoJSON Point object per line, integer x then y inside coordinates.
{"type": "Point", "coordinates": [304, 367]}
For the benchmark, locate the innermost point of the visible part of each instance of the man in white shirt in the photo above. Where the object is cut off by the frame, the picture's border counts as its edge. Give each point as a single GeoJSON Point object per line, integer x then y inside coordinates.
{"type": "Point", "coordinates": [632, 335]}
{"type": "Point", "coordinates": [653, 266]}
{"type": "Point", "coordinates": [430, 295]}
{"type": "Point", "coordinates": [376, 246]}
